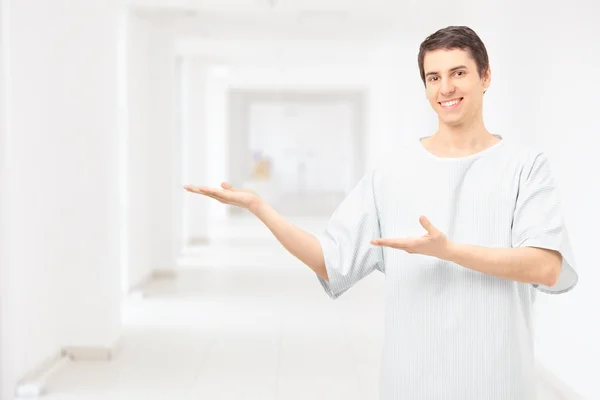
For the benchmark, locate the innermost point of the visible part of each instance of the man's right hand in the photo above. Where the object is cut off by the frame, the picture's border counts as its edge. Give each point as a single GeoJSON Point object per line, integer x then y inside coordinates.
{"type": "Point", "coordinates": [303, 245]}
{"type": "Point", "coordinates": [228, 195]}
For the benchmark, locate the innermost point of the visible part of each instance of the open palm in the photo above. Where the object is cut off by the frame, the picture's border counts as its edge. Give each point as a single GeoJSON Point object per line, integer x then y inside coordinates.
{"type": "Point", "coordinates": [227, 195]}
{"type": "Point", "coordinates": [434, 243]}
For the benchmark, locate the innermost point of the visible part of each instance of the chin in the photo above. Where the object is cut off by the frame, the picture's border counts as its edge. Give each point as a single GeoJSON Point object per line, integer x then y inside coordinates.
{"type": "Point", "coordinates": [451, 122]}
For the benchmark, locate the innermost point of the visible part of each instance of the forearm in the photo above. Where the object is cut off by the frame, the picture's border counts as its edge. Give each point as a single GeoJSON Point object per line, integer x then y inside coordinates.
{"type": "Point", "coordinates": [523, 264]}
{"type": "Point", "coordinates": [301, 244]}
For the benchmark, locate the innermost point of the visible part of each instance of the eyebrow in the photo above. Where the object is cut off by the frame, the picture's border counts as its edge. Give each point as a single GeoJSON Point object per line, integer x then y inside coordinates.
{"type": "Point", "coordinates": [451, 70]}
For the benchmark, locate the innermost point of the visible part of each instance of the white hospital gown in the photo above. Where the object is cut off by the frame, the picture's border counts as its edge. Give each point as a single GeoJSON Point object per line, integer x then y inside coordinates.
{"type": "Point", "coordinates": [451, 333]}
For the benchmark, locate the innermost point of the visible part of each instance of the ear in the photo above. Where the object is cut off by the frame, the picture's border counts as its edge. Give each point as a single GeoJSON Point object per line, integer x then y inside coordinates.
{"type": "Point", "coordinates": [487, 79]}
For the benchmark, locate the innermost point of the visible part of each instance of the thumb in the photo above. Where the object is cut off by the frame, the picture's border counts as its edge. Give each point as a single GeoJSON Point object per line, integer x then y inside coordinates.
{"type": "Point", "coordinates": [425, 223]}
{"type": "Point", "coordinates": [226, 186]}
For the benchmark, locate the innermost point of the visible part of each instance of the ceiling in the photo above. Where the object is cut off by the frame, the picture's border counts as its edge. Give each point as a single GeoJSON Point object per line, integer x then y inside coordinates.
{"type": "Point", "coordinates": [291, 19]}
{"type": "Point", "coordinates": [293, 31]}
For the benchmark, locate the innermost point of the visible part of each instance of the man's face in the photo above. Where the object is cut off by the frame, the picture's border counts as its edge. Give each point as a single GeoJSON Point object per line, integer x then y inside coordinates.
{"type": "Point", "coordinates": [454, 88]}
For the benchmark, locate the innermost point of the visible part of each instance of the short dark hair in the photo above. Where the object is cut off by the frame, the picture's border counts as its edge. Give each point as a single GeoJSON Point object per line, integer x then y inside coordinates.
{"type": "Point", "coordinates": [455, 37]}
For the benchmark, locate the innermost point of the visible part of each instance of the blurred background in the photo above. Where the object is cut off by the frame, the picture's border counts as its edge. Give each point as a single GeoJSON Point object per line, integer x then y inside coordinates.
{"type": "Point", "coordinates": [115, 283]}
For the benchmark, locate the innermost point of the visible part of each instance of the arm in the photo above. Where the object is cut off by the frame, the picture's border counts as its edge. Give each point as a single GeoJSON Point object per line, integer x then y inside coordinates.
{"type": "Point", "coordinates": [539, 237]}
{"type": "Point", "coordinates": [342, 249]}
{"type": "Point", "coordinates": [303, 245]}
{"type": "Point", "coordinates": [523, 264]}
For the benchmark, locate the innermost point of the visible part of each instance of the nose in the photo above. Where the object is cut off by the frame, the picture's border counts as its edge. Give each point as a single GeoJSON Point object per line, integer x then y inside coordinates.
{"type": "Point", "coordinates": [447, 88]}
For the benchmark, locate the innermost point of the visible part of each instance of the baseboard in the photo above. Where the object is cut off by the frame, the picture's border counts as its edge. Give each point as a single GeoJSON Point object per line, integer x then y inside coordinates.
{"type": "Point", "coordinates": [139, 286]}
{"type": "Point", "coordinates": [168, 273]}
{"type": "Point", "coordinates": [198, 241]}
{"type": "Point", "coordinates": [82, 353]}
{"type": "Point", "coordinates": [93, 353]}
{"type": "Point", "coordinates": [33, 385]}
{"type": "Point", "coordinates": [137, 290]}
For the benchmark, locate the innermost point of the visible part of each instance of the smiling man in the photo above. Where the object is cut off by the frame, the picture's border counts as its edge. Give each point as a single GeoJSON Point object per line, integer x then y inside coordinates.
{"type": "Point", "coordinates": [467, 228]}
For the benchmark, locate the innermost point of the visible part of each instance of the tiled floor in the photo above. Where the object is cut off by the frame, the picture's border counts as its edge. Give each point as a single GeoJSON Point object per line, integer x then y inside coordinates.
{"type": "Point", "coordinates": [239, 333]}
{"type": "Point", "coordinates": [262, 330]}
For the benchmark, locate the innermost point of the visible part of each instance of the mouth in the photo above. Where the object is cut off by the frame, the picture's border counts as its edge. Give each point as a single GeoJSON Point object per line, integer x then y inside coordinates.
{"type": "Point", "coordinates": [451, 104]}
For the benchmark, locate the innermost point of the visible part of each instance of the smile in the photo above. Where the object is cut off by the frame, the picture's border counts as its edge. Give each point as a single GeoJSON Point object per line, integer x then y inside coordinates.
{"type": "Point", "coordinates": [451, 103]}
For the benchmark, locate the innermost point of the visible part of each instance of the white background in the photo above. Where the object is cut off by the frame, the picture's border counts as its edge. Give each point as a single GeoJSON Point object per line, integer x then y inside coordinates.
{"type": "Point", "coordinates": [88, 212]}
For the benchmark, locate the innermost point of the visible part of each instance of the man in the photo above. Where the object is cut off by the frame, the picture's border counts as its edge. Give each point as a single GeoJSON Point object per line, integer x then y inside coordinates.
{"type": "Point", "coordinates": [466, 227]}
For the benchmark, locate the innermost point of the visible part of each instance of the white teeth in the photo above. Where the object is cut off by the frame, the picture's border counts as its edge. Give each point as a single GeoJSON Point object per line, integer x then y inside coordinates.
{"type": "Point", "coordinates": [450, 103]}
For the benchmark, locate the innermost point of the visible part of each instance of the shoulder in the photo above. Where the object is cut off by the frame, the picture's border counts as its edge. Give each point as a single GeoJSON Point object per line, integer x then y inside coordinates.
{"type": "Point", "coordinates": [524, 154]}
{"type": "Point", "coordinates": [530, 160]}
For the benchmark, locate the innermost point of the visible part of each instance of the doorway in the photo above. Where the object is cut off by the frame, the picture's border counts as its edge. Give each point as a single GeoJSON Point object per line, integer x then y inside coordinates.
{"type": "Point", "coordinates": [303, 150]}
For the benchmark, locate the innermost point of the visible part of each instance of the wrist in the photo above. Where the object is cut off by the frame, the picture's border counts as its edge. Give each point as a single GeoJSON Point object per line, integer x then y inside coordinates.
{"type": "Point", "coordinates": [451, 252]}
{"type": "Point", "coordinates": [257, 206]}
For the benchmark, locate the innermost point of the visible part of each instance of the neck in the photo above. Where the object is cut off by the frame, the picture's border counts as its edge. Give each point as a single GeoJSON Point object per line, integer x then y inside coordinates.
{"type": "Point", "coordinates": [463, 137]}
{"type": "Point", "coordinates": [459, 140]}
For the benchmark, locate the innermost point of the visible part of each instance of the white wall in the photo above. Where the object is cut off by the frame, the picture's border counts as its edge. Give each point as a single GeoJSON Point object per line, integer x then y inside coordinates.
{"type": "Point", "coordinates": [153, 176]}
{"type": "Point", "coordinates": [215, 152]}
{"type": "Point", "coordinates": [194, 210]}
{"type": "Point", "coordinates": [4, 28]}
{"type": "Point", "coordinates": [164, 197]}
{"type": "Point", "coordinates": [275, 126]}
{"type": "Point", "coordinates": [136, 132]}
{"type": "Point", "coordinates": [214, 114]}
{"type": "Point", "coordinates": [61, 283]}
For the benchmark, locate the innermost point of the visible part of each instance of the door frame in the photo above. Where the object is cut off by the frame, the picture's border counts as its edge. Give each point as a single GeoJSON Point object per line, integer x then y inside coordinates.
{"type": "Point", "coordinates": [4, 129]}
{"type": "Point", "coordinates": [240, 101]}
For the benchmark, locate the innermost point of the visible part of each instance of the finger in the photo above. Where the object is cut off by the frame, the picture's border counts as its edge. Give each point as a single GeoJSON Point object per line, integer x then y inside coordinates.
{"type": "Point", "coordinates": [425, 223]}
{"type": "Point", "coordinates": [390, 245]}
{"type": "Point", "coordinates": [195, 189]}
{"type": "Point", "coordinates": [228, 186]}
{"type": "Point", "coordinates": [218, 198]}
{"type": "Point", "coordinates": [395, 243]}
{"type": "Point", "coordinates": [202, 190]}
{"type": "Point", "coordinates": [209, 192]}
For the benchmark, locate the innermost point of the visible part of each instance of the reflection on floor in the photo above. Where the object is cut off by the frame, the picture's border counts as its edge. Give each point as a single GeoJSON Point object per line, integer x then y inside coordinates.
{"type": "Point", "coordinates": [239, 333]}
{"type": "Point", "coordinates": [255, 325]}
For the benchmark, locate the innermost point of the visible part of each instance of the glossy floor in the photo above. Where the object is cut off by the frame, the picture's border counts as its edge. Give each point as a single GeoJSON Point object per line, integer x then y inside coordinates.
{"type": "Point", "coordinates": [259, 329]}
{"type": "Point", "coordinates": [238, 333]}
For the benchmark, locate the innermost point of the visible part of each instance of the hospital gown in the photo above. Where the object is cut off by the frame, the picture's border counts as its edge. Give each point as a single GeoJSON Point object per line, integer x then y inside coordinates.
{"type": "Point", "coordinates": [451, 333]}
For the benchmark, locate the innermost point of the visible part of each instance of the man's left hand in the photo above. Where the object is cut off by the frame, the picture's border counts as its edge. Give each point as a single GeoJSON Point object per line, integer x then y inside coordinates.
{"type": "Point", "coordinates": [434, 243]}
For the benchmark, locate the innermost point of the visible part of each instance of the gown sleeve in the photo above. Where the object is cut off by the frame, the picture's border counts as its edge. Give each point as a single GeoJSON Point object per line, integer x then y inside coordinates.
{"type": "Point", "coordinates": [539, 222]}
{"type": "Point", "coordinates": [349, 255]}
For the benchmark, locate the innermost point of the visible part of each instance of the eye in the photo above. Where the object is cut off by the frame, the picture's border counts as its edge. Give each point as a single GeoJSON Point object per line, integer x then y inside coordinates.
{"type": "Point", "coordinates": [431, 79]}
{"type": "Point", "coordinates": [461, 73]}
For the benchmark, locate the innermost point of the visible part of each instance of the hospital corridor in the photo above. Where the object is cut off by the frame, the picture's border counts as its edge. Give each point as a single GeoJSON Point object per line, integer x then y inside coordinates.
{"type": "Point", "coordinates": [242, 329]}
{"type": "Point", "coordinates": [118, 284]}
